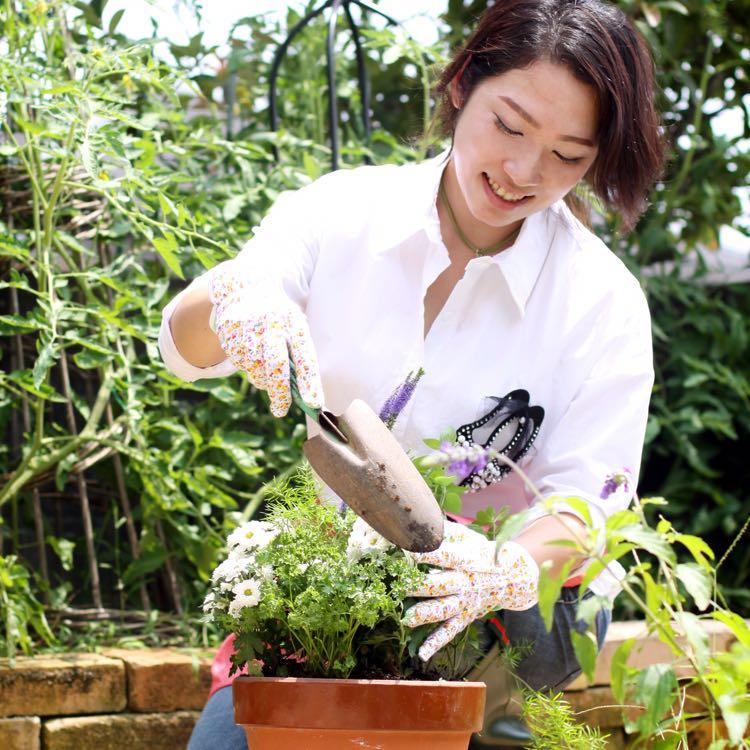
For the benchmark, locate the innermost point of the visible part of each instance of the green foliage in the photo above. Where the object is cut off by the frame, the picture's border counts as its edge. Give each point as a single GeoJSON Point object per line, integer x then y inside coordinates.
{"type": "Point", "coordinates": [552, 724]}
{"type": "Point", "coordinates": [21, 613]}
{"type": "Point", "coordinates": [122, 191]}
{"type": "Point", "coordinates": [666, 593]}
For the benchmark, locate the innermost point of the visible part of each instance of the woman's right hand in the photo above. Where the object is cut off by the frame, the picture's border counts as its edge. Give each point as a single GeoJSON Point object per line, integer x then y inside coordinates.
{"type": "Point", "coordinates": [259, 329]}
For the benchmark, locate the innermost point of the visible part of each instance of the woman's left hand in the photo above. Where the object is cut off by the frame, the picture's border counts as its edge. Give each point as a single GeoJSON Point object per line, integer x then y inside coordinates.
{"type": "Point", "coordinates": [473, 576]}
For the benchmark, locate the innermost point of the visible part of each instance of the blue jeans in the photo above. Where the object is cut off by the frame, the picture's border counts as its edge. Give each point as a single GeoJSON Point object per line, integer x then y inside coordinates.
{"type": "Point", "coordinates": [550, 666]}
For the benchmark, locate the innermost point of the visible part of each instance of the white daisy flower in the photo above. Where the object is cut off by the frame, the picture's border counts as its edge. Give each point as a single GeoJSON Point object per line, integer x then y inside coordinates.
{"type": "Point", "coordinates": [246, 594]}
{"type": "Point", "coordinates": [252, 535]}
{"type": "Point", "coordinates": [232, 568]}
{"type": "Point", "coordinates": [364, 540]}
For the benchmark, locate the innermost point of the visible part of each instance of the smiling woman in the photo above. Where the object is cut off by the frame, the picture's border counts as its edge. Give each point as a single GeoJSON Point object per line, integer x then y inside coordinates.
{"type": "Point", "coordinates": [529, 335]}
{"type": "Point", "coordinates": [573, 81]}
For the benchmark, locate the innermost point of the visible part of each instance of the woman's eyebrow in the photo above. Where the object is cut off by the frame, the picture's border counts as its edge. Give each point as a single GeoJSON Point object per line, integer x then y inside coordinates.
{"type": "Point", "coordinates": [526, 116]}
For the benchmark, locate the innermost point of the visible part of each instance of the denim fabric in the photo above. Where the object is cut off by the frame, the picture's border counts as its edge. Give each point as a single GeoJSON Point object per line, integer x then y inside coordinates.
{"type": "Point", "coordinates": [215, 729]}
{"type": "Point", "coordinates": [551, 665]}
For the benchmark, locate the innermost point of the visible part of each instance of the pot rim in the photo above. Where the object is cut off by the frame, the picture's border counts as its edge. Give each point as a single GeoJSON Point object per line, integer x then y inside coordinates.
{"type": "Point", "coordinates": [355, 681]}
{"type": "Point", "coordinates": [373, 705]}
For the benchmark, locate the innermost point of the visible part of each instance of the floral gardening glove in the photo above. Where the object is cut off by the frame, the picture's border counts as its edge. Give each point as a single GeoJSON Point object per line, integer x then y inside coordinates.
{"type": "Point", "coordinates": [259, 328]}
{"type": "Point", "coordinates": [476, 577]}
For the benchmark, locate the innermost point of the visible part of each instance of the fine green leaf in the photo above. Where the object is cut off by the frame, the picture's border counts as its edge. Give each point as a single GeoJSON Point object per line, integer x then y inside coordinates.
{"type": "Point", "coordinates": [549, 589]}
{"type": "Point", "coordinates": [47, 357]}
{"type": "Point", "coordinates": [619, 669]}
{"type": "Point", "coordinates": [584, 646]}
{"type": "Point", "coordinates": [735, 623]}
{"type": "Point", "coordinates": [115, 20]}
{"type": "Point", "coordinates": [647, 539]}
{"type": "Point", "coordinates": [655, 689]}
{"type": "Point", "coordinates": [697, 581]}
{"type": "Point", "coordinates": [578, 504]}
{"type": "Point", "coordinates": [63, 549]}
{"type": "Point", "coordinates": [696, 637]}
{"type": "Point", "coordinates": [698, 549]}
{"type": "Point", "coordinates": [167, 248]}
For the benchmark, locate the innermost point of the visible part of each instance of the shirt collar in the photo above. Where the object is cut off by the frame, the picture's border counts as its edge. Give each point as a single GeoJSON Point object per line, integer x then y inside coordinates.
{"type": "Point", "coordinates": [522, 263]}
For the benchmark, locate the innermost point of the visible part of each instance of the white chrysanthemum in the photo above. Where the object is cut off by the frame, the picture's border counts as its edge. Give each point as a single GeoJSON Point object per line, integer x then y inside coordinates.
{"type": "Point", "coordinates": [252, 535]}
{"type": "Point", "coordinates": [232, 568]}
{"type": "Point", "coordinates": [266, 572]}
{"type": "Point", "coordinates": [364, 540]}
{"type": "Point", "coordinates": [211, 604]}
{"type": "Point", "coordinates": [246, 594]}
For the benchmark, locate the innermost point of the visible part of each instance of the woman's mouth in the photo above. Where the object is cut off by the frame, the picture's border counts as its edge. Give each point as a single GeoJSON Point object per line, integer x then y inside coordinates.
{"type": "Point", "coordinates": [502, 196]}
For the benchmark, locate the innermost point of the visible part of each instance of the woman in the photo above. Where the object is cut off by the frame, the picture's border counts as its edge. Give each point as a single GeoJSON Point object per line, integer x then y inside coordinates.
{"type": "Point", "coordinates": [469, 273]}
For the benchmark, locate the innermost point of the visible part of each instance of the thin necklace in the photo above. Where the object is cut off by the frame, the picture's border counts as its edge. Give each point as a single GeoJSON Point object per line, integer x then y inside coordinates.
{"type": "Point", "coordinates": [478, 251]}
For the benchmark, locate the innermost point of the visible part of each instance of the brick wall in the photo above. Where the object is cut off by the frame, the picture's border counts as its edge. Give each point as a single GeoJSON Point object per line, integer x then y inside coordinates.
{"type": "Point", "coordinates": [150, 699]}
{"type": "Point", "coordinates": [140, 700]}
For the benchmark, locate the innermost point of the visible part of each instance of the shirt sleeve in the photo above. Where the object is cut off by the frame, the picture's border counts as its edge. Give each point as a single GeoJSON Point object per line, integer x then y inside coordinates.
{"type": "Point", "coordinates": [602, 429]}
{"type": "Point", "coordinates": [282, 252]}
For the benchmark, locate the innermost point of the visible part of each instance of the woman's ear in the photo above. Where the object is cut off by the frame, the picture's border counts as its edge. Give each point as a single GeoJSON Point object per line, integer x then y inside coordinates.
{"type": "Point", "coordinates": [454, 90]}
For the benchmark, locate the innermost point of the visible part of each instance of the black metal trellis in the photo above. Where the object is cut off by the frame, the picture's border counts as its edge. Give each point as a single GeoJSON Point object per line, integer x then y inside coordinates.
{"type": "Point", "coordinates": [335, 6]}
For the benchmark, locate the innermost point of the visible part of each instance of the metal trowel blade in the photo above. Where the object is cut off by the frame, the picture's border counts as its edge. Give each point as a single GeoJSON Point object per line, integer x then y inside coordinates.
{"type": "Point", "coordinates": [373, 475]}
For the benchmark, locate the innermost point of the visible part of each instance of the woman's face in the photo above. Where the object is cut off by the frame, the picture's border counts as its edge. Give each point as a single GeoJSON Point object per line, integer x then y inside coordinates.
{"type": "Point", "coordinates": [522, 141]}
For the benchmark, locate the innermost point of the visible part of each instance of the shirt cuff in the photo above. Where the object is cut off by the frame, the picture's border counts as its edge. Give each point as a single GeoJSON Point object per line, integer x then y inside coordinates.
{"type": "Point", "coordinates": [172, 358]}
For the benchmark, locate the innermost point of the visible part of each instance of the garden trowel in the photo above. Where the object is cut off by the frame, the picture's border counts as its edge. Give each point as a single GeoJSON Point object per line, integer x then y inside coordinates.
{"type": "Point", "coordinates": [356, 455]}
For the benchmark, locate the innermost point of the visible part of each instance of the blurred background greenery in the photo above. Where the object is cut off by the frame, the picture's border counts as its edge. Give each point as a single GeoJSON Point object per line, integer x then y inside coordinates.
{"type": "Point", "coordinates": [129, 165]}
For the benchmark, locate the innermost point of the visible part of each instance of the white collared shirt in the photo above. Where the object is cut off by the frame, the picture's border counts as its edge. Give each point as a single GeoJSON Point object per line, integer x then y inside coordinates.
{"type": "Point", "coordinates": [557, 315]}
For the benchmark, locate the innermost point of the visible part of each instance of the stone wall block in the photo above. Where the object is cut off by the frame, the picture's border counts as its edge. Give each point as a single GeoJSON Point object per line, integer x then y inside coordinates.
{"type": "Point", "coordinates": [165, 679]}
{"type": "Point", "coordinates": [62, 685]}
{"type": "Point", "coordinates": [647, 650]}
{"type": "Point", "coordinates": [163, 731]}
{"type": "Point", "coordinates": [20, 734]}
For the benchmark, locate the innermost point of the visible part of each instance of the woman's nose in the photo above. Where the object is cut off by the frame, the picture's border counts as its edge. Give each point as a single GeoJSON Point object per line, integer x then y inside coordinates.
{"type": "Point", "coordinates": [524, 169]}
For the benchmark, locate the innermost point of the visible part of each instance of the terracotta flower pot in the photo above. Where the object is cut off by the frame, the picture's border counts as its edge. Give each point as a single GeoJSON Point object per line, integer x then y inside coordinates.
{"type": "Point", "coordinates": [311, 714]}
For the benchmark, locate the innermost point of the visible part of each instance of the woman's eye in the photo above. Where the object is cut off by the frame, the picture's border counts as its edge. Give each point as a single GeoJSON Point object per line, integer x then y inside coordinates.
{"type": "Point", "coordinates": [566, 160]}
{"type": "Point", "coordinates": [505, 128]}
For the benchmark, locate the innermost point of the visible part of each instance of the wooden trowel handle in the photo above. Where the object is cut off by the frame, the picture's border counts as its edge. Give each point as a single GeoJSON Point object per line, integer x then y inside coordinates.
{"type": "Point", "coordinates": [324, 418]}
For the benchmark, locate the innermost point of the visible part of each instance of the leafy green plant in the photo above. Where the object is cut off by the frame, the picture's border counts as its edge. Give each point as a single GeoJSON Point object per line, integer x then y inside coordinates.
{"type": "Point", "coordinates": [552, 724]}
{"type": "Point", "coordinates": [314, 591]}
{"type": "Point", "coordinates": [674, 598]}
{"type": "Point", "coordinates": [21, 613]}
{"type": "Point", "coordinates": [106, 191]}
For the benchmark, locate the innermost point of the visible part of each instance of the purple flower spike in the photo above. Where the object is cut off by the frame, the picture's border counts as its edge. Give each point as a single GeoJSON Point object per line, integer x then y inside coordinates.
{"type": "Point", "coordinates": [396, 402]}
{"type": "Point", "coordinates": [617, 482]}
{"type": "Point", "coordinates": [461, 468]}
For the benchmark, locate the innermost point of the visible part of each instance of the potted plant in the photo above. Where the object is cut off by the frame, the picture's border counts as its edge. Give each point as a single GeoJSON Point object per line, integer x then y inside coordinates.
{"type": "Point", "coordinates": [315, 599]}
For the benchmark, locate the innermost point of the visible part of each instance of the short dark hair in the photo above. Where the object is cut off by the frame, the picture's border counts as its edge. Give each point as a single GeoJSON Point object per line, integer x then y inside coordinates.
{"type": "Point", "coordinates": [599, 44]}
